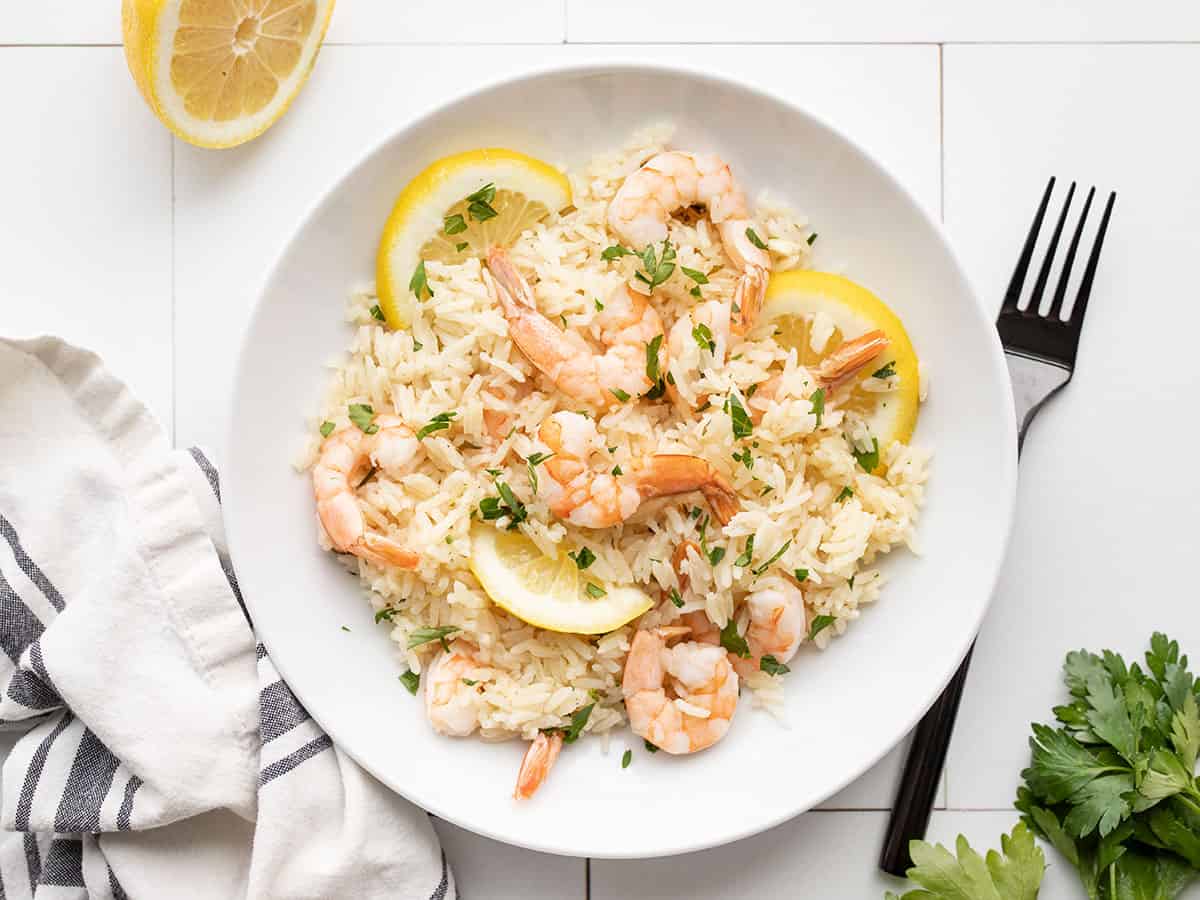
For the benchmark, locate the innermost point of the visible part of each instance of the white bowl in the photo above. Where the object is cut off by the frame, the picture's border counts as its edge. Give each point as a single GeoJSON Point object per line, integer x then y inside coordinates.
{"type": "Point", "coordinates": [847, 705]}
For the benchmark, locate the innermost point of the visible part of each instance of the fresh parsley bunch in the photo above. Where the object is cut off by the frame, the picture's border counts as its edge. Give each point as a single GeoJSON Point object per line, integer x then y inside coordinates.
{"type": "Point", "coordinates": [1113, 787]}
{"type": "Point", "coordinates": [1013, 873]}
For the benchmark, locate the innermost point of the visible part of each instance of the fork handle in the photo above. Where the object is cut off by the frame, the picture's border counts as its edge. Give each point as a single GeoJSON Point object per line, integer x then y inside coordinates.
{"type": "Point", "coordinates": [922, 774]}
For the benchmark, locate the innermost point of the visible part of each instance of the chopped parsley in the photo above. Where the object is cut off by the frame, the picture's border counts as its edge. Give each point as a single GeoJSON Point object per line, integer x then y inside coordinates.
{"type": "Point", "coordinates": [846, 493]}
{"type": "Point", "coordinates": [819, 624]}
{"type": "Point", "coordinates": [617, 470]}
{"type": "Point", "coordinates": [470, 682]}
{"type": "Point", "coordinates": [656, 270]}
{"type": "Point", "coordinates": [611, 253]}
{"type": "Point", "coordinates": [584, 558]}
{"type": "Point", "coordinates": [377, 313]}
{"type": "Point", "coordinates": [766, 490]}
{"type": "Point", "coordinates": [869, 460]}
{"type": "Point", "coordinates": [531, 462]}
{"type": "Point", "coordinates": [694, 512]}
{"type": "Point", "coordinates": [715, 555]}
{"type": "Point", "coordinates": [818, 404]}
{"type": "Point", "coordinates": [461, 246]}
{"type": "Point", "coordinates": [594, 590]}
{"type": "Point", "coordinates": [753, 237]}
{"type": "Point", "coordinates": [626, 759]}
{"type": "Point", "coordinates": [772, 666]}
{"type": "Point", "coordinates": [703, 337]}
{"type": "Point", "coordinates": [675, 598]}
{"type": "Point", "coordinates": [411, 680]}
{"type": "Point", "coordinates": [420, 282]}
{"type": "Point", "coordinates": [698, 277]}
{"type": "Point", "coordinates": [440, 422]}
{"type": "Point", "coordinates": [652, 367]}
{"type": "Point", "coordinates": [801, 574]}
{"type": "Point", "coordinates": [886, 371]}
{"type": "Point", "coordinates": [506, 504]}
{"type": "Point", "coordinates": [578, 720]}
{"type": "Point", "coordinates": [345, 628]}
{"type": "Point", "coordinates": [774, 558]}
{"type": "Point", "coordinates": [812, 238]}
{"type": "Point", "coordinates": [385, 614]}
{"type": "Point", "coordinates": [362, 415]}
{"type": "Point", "coordinates": [744, 458]}
{"type": "Point", "coordinates": [695, 292]}
{"type": "Point", "coordinates": [599, 305]}
{"type": "Point", "coordinates": [479, 204]}
{"type": "Point", "coordinates": [739, 419]}
{"type": "Point", "coordinates": [649, 746]}
{"type": "Point", "coordinates": [747, 554]}
{"type": "Point", "coordinates": [327, 429]}
{"type": "Point", "coordinates": [454, 224]}
{"type": "Point", "coordinates": [417, 345]}
{"type": "Point", "coordinates": [734, 642]}
{"type": "Point", "coordinates": [850, 583]}
{"type": "Point", "coordinates": [426, 635]}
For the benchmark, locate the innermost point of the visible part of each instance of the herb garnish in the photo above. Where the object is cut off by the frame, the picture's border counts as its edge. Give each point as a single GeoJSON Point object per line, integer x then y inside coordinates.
{"type": "Point", "coordinates": [734, 642]}
{"type": "Point", "coordinates": [594, 590]}
{"type": "Point", "coordinates": [327, 429]}
{"type": "Point", "coordinates": [744, 458]}
{"type": "Point", "coordinates": [758, 570]}
{"type": "Point", "coordinates": [377, 313]}
{"type": "Point", "coordinates": [1013, 873]}
{"type": "Point", "coordinates": [584, 558]}
{"type": "Point", "coordinates": [626, 759]}
{"type": "Point", "coordinates": [819, 624]}
{"type": "Point", "coordinates": [454, 224]}
{"type": "Point", "coordinates": [739, 419]}
{"type": "Point", "coordinates": [461, 246]}
{"type": "Point", "coordinates": [698, 277]}
{"type": "Point", "coordinates": [420, 282]}
{"type": "Point", "coordinates": [417, 345]}
{"type": "Point", "coordinates": [753, 237]}
{"type": "Point", "coordinates": [411, 680]}
{"type": "Point", "coordinates": [649, 746]}
{"type": "Point", "coordinates": [703, 337]}
{"type": "Point", "coordinates": [801, 574]}
{"type": "Point", "coordinates": [621, 395]}
{"type": "Point", "coordinates": [747, 554]}
{"type": "Point", "coordinates": [385, 614]}
{"type": "Point", "coordinates": [675, 598]}
{"type": "Point", "coordinates": [506, 504]}
{"type": "Point", "coordinates": [652, 367]}
{"type": "Point", "coordinates": [617, 470]}
{"type": "Point", "coordinates": [599, 305]}
{"type": "Point", "coordinates": [479, 204]}
{"type": "Point", "coordinates": [611, 253]}
{"type": "Point", "coordinates": [440, 422]}
{"type": "Point", "coordinates": [818, 404]}
{"type": "Point", "coordinates": [870, 459]}
{"type": "Point", "coordinates": [426, 635]}
{"type": "Point", "coordinates": [531, 462]}
{"type": "Point", "coordinates": [578, 720]}
{"type": "Point", "coordinates": [656, 271]}
{"type": "Point", "coordinates": [886, 371]}
{"type": "Point", "coordinates": [345, 628]}
{"type": "Point", "coordinates": [362, 415]}
{"type": "Point", "coordinates": [845, 494]}
{"type": "Point", "coordinates": [812, 238]}
{"type": "Point", "coordinates": [772, 666]}
{"type": "Point", "coordinates": [470, 682]}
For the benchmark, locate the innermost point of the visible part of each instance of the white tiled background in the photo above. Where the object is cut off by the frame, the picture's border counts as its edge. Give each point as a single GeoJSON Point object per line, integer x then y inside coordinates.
{"type": "Point", "coordinates": [121, 238]}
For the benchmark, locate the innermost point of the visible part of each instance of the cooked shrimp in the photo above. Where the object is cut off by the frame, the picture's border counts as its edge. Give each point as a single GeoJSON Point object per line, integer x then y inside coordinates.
{"type": "Point", "coordinates": [584, 497]}
{"type": "Point", "coordinates": [691, 712]}
{"type": "Point", "coordinates": [672, 180]}
{"type": "Point", "coordinates": [540, 756]}
{"type": "Point", "coordinates": [833, 371]}
{"type": "Point", "coordinates": [345, 458]}
{"type": "Point", "coordinates": [778, 623]}
{"type": "Point", "coordinates": [627, 325]}
{"type": "Point", "coordinates": [451, 704]}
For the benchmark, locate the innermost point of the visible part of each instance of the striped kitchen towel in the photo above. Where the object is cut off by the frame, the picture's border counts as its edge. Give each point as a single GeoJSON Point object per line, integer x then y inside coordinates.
{"type": "Point", "coordinates": [162, 755]}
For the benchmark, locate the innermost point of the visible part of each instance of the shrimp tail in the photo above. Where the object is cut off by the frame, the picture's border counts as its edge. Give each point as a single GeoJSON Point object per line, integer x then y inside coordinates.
{"type": "Point", "coordinates": [841, 365]}
{"type": "Point", "coordinates": [384, 551]}
{"type": "Point", "coordinates": [668, 473]}
{"type": "Point", "coordinates": [748, 297]}
{"type": "Point", "coordinates": [539, 758]}
{"type": "Point", "coordinates": [506, 285]}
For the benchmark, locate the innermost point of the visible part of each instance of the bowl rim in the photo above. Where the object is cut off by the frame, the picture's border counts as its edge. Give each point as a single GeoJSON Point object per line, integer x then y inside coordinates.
{"type": "Point", "coordinates": [995, 360]}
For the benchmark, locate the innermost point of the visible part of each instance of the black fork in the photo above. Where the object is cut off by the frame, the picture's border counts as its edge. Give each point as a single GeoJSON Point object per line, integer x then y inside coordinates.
{"type": "Point", "coordinates": [1040, 349]}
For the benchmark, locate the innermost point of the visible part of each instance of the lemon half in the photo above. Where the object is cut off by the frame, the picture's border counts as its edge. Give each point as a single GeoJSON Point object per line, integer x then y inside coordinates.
{"type": "Point", "coordinates": [549, 592]}
{"type": "Point", "coordinates": [526, 190]}
{"type": "Point", "coordinates": [793, 300]}
{"type": "Point", "coordinates": [220, 72]}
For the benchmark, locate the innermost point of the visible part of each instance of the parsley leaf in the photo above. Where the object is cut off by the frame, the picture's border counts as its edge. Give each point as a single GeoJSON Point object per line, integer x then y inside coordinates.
{"type": "Point", "coordinates": [695, 292]}
{"type": "Point", "coordinates": [772, 666]}
{"type": "Point", "coordinates": [420, 282]}
{"type": "Point", "coordinates": [698, 277]}
{"type": "Point", "coordinates": [327, 429]}
{"type": "Point", "coordinates": [886, 371]}
{"type": "Point", "coordinates": [584, 558]}
{"type": "Point", "coordinates": [425, 635]}
{"type": "Point", "coordinates": [775, 558]}
{"type": "Point", "coordinates": [812, 238]}
{"type": "Point", "coordinates": [417, 345]}
{"type": "Point", "coordinates": [470, 682]}
{"type": "Point", "coordinates": [362, 415]}
{"type": "Point", "coordinates": [739, 419]}
{"type": "Point", "coordinates": [747, 554]}
{"type": "Point", "coordinates": [869, 460]}
{"type": "Point", "coordinates": [819, 624]}
{"type": "Point", "coordinates": [734, 642]}
{"type": "Point", "coordinates": [594, 590]}
{"type": "Point", "coordinates": [440, 422]}
{"type": "Point", "coordinates": [626, 759]}
{"type": "Point", "coordinates": [377, 313]}
{"type": "Point", "coordinates": [506, 504]}
{"type": "Point", "coordinates": [649, 746]}
{"type": "Point", "coordinates": [703, 337]}
{"type": "Point", "coordinates": [617, 470]}
{"type": "Point", "coordinates": [715, 555]}
{"type": "Point", "coordinates": [578, 720]}
{"type": "Point", "coordinates": [675, 598]}
{"type": "Point", "coordinates": [385, 614]}
{"type": "Point", "coordinates": [411, 681]}
{"type": "Point", "coordinates": [753, 237]}
{"type": "Point", "coordinates": [461, 246]}
{"type": "Point", "coordinates": [652, 367]}
{"type": "Point", "coordinates": [845, 494]}
{"type": "Point", "coordinates": [479, 204]}
{"type": "Point", "coordinates": [454, 224]}
{"type": "Point", "coordinates": [599, 305]}
{"type": "Point", "coordinates": [656, 271]}
{"type": "Point", "coordinates": [1014, 873]}
{"type": "Point", "coordinates": [621, 395]}
{"type": "Point", "coordinates": [818, 404]}
{"type": "Point", "coordinates": [611, 253]}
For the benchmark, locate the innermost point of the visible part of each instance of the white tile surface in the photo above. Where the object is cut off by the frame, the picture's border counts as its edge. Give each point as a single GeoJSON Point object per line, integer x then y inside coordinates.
{"type": "Point", "coordinates": [235, 209]}
{"type": "Point", "coordinates": [779, 21]}
{"type": "Point", "coordinates": [1100, 542]}
{"type": "Point", "coordinates": [85, 227]}
{"type": "Point", "coordinates": [489, 870]}
{"type": "Point", "coordinates": [61, 22]}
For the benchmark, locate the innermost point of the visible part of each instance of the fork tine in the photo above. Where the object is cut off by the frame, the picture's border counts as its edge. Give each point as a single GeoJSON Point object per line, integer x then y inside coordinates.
{"type": "Point", "coordinates": [1039, 286]}
{"type": "Point", "coordinates": [1089, 274]}
{"type": "Point", "coordinates": [1061, 290]}
{"type": "Point", "coordinates": [1013, 294]}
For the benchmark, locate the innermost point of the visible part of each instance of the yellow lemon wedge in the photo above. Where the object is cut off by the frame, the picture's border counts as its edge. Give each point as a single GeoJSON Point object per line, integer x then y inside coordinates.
{"type": "Point", "coordinates": [458, 207]}
{"type": "Point", "coordinates": [549, 592]}
{"type": "Point", "coordinates": [794, 300]}
{"type": "Point", "coordinates": [220, 72]}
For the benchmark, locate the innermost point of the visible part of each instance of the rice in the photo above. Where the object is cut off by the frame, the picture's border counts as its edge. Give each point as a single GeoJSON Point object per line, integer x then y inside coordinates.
{"type": "Point", "coordinates": [804, 492]}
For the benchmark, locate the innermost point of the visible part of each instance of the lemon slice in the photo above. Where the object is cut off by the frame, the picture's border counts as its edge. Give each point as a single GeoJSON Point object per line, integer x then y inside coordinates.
{"type": "Point", "coordinates": [548, 592]}
{"type": "Point", "coordinates": [435, 219]}
{"type": "Point", "coordinates": [793, 301]}
{"type": "Point", "coordinates": [220, 72]}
